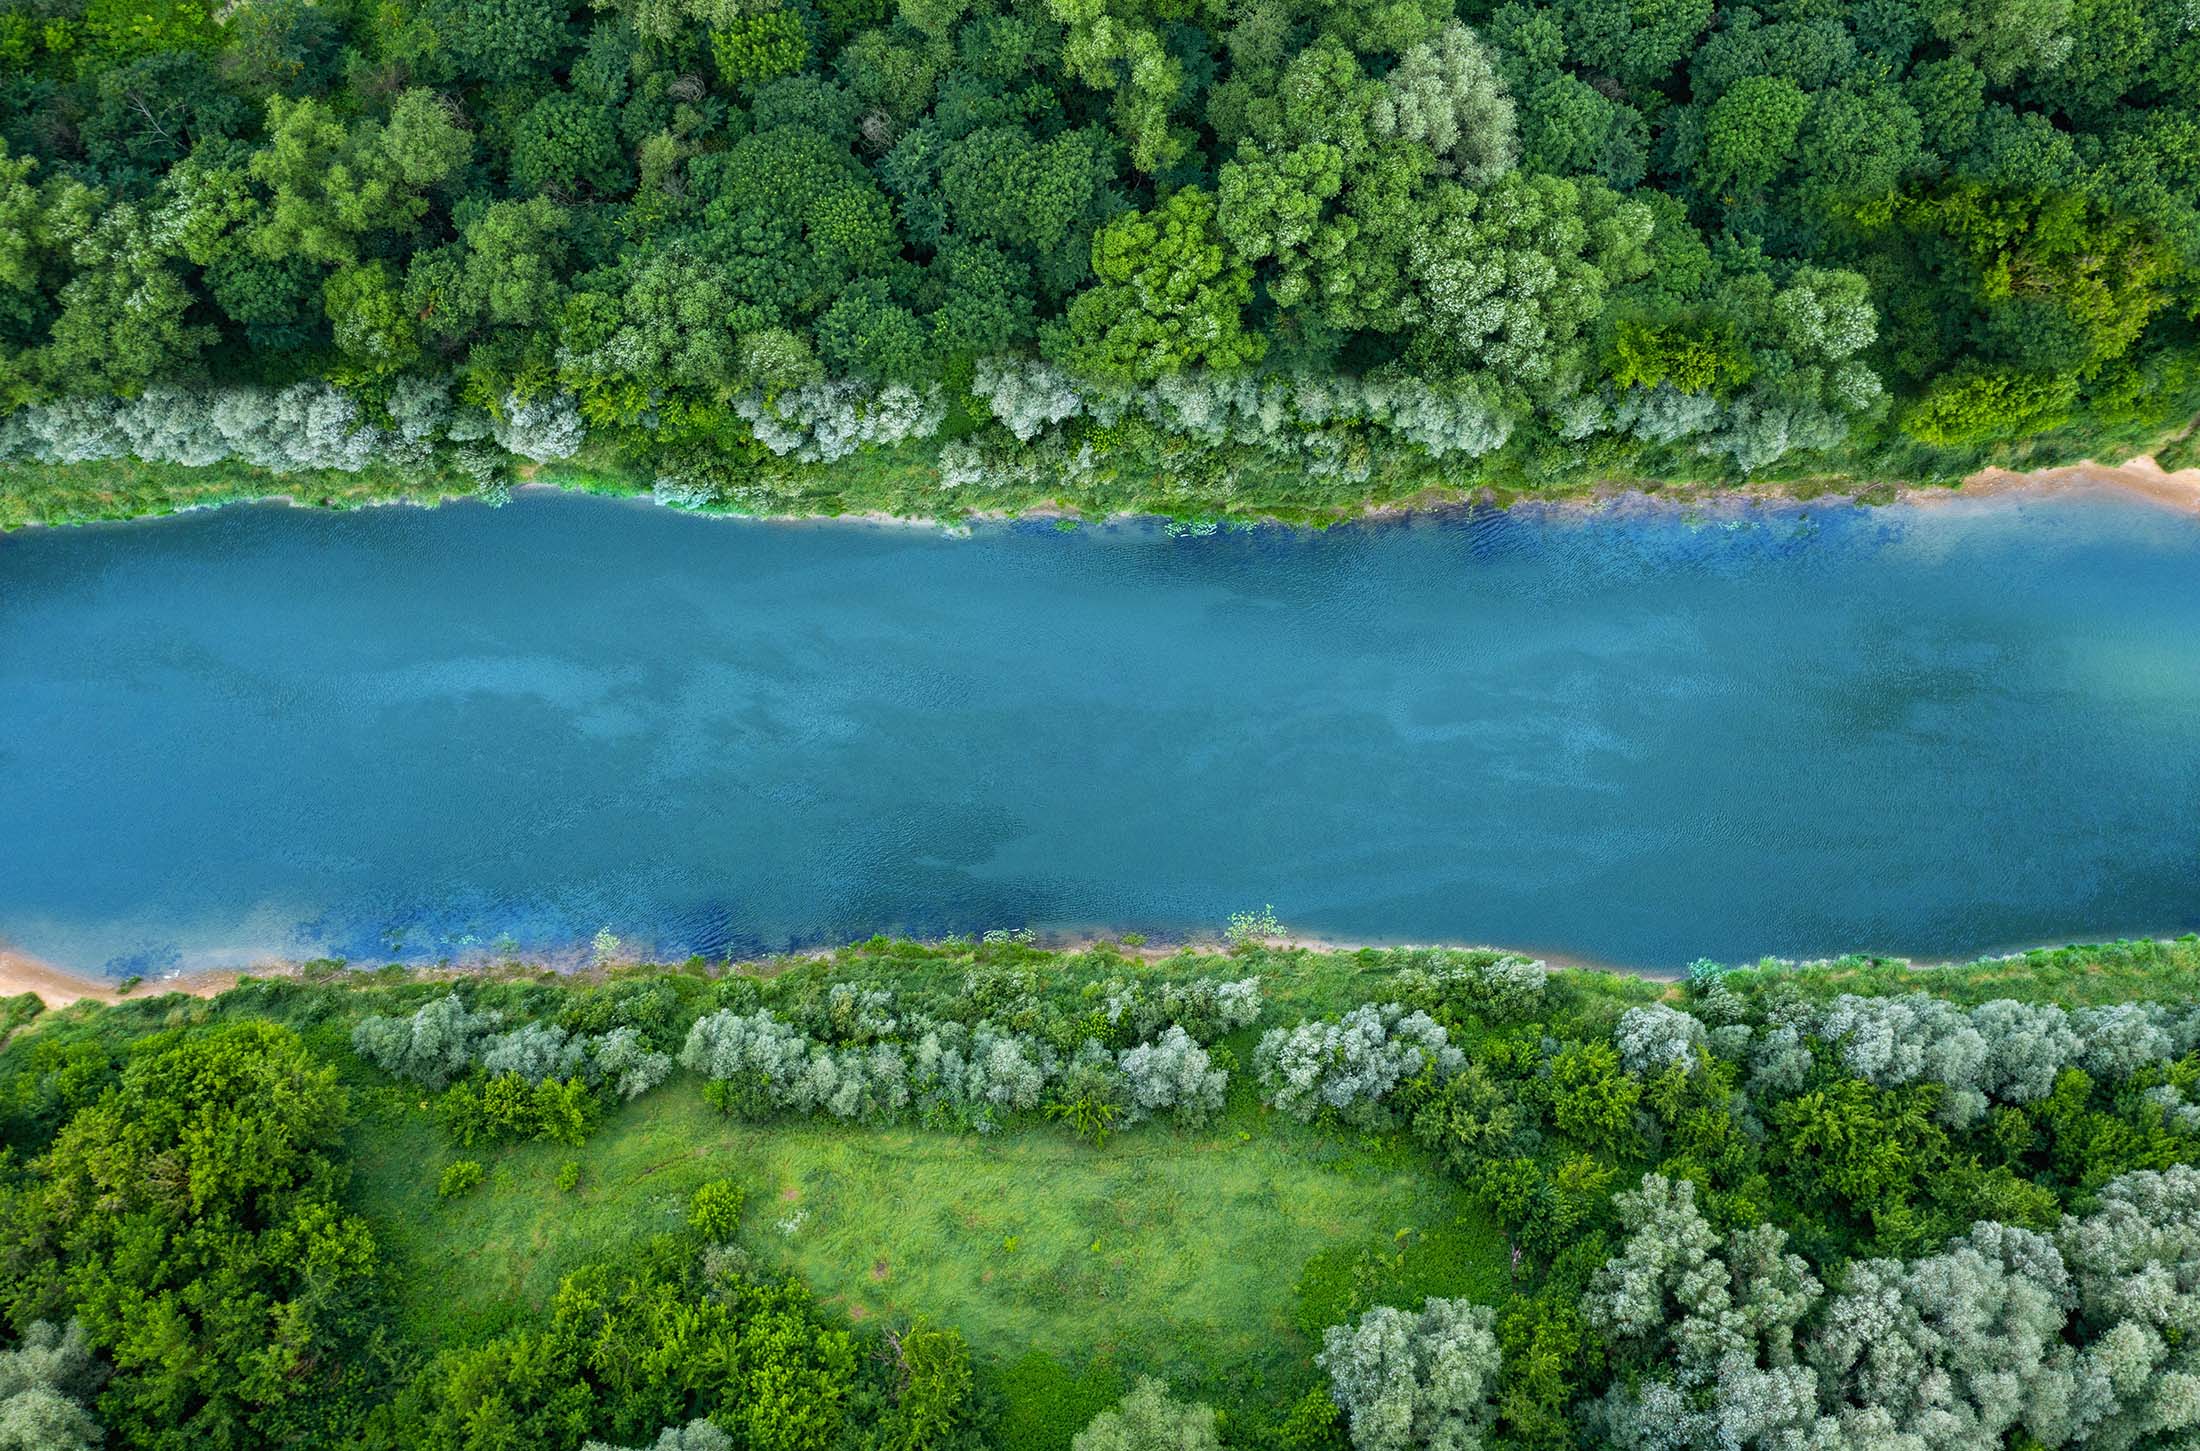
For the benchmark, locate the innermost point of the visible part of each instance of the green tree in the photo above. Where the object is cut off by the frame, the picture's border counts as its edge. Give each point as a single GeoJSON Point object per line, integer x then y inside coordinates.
{"type": "Point", "coordinates": [2006, 39]}
{"type": "Point", "coordinates": [1149, 1420]}
{"type": "Point", "coordinates": [125, 316]}
{"type": "Point", "coordinates": [1112, 46]}
{"type": "Point", "coordinates": [1972, 407]}
{"type": "Point", "coordinates": [1591, 1098]}
{"type": "Point", "coordinates": [1168, 297]}
{"type": "Point", "coordinates": [192, 1211]}
{"type": "Point", "coordinates": [1693, 354]}
{"type": "Point", "coordinates": [866, 333]}
{"type": "Point", "coordinates": [500, 40]}
{"type": "Point", "coordinates": [331, 185]}
{"type": "Point", "coordinates": [1509, 276]}
{"type": "Point", "coordinates": [1749, 134]}
{"type": "Point", "coordinates": [568, 145]}
{"type": "Point", "coordinates": [366, 311]}
{"type": "Point", "coordinates": [1639, 41]}
{"type": "Point", "coordinates": [750, 49]}
{"type": "Point", "coordinates": [1447, 95]}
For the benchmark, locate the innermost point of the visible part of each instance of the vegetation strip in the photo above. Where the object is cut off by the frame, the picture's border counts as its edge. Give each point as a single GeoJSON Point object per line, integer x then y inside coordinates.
{"type": "Point", "coordinates": [1285, 259]}
{"type": "Point", "coordinates": [981, 1194]}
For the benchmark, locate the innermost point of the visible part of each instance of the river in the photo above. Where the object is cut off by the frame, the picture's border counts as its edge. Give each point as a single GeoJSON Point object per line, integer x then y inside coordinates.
{"type": "Point", "coordinates": [1635, 737]}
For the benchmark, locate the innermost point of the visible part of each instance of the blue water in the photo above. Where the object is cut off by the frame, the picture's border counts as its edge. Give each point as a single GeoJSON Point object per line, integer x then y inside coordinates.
{"type": "Point", "coordinates": [1637, 738]}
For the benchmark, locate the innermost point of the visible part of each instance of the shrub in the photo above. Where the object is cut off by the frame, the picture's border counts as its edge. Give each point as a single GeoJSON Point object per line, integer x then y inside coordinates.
{"type": "Point", "coordinates": [1348, 1066]}
{"type": "Point", "coordinates": [1656, 1037]}
{"type": "Point", "coordinates": [1450, 986]}
{"type": "Point", "coordinates": [435, 1045]}
{"type": "Point", "coordinates": [948, 1074]}
{"type": "Point", "coordinates": [534, 1052]}
{"type": "Point", "coordinates": [620, 1059]}
{"type": "Point", "coordinates": [1172, 1074]}
{"type": "Point", "coordinates": [1148, 1420]}
{"type": "Point", "coordinates": [714, 1211]}
{"type": "Point", "coordinates": [506, 1109]}
{"type": "Point", "coordinates": [697, 1435]}
{"type": "Point", "coordinates": [460, 1176]}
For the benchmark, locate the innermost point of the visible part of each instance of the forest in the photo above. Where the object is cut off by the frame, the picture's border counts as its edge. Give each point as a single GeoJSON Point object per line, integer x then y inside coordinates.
{"type": "Point", "coordinates": [1196, 257]}
{"type": "Point", "coordinates": [981, 1194]}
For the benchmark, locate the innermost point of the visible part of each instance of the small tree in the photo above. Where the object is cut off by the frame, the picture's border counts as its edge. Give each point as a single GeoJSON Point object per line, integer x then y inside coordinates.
{"type": "Point", "coordinates": [714, 1211]}
{"type": "Point", "coordinates": [1148, 1420]}
{"type": "Point", "coordinates": [43, 1383]}
{"type": "Point", "coordinates": [1407, 1381]}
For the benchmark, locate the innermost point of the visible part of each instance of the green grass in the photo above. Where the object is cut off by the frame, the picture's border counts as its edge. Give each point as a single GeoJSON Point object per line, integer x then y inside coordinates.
{"type": "Point", "coordinates": [1206, 1256]}
{"type": "Point", "coordinates": [33, 493]}
{"type": "Point", "coordinates": [2142, 970]}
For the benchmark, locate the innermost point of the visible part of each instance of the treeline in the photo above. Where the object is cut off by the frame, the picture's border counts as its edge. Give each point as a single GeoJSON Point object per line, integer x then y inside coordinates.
{"type": "Point", "coordinates": [1258, 255]}
{"type": "Point", "coordinates": [1841, 1208]}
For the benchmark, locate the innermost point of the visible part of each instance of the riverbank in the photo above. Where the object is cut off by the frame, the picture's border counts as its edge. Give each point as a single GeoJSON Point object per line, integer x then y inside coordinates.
{"type": "Point", "coordinates": [2140, 478]}
{"type": "Point", "coordinates": [34, 495]}
{"type": "Point", "coordinates": [58, 987]}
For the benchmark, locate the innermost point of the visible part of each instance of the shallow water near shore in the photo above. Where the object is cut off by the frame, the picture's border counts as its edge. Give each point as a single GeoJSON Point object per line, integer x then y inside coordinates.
{"type": "Point", "coordinates": [1639, 736]}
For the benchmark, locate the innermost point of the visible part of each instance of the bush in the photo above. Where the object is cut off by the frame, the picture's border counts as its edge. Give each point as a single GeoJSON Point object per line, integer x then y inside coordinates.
{"type": "Point", "coordinates": [45, 1383]}
{"type": "Point", "coordinates": [1348, 1066]}
{"type": "Point", "coordinates": [1656, 1037]}
{"type": "Point", "coordinates": [951, 1074]}
{"type": "Point", "coordinates": [1148, 1420]}
{"type": "Point", "coordinates": [435, 1045]}
{"type": "Point", "coordinates": [507, 1109]}
{"type": "Point", "coordinates": [714, 1211]}
{"type": "Point", "coordinates": [460, 1176]}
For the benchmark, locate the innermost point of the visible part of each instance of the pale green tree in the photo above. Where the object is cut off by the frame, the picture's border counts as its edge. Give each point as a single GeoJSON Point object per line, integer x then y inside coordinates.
{"type": "Point", "coordinates": [1149, 1420]}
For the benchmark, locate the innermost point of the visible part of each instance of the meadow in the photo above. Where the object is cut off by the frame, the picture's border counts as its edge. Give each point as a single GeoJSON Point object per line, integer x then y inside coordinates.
{"type": "Point", "coordinates": [1213, 1257]}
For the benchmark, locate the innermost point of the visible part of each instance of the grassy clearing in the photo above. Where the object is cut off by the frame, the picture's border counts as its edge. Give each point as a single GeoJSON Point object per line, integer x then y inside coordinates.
{"type": "Point", "coordinates": [1213, 1256]}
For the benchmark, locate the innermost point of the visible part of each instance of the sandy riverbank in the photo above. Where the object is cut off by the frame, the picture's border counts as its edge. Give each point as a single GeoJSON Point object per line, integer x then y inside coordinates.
{"type": "Point", "coordinates": [58, 987]}
{"type": "Point", "coordinates": [2139, 478]}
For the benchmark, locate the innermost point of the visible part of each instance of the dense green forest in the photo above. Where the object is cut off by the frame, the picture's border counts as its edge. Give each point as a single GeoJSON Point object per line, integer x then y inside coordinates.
{"type": "Point", "coordinates": [1201, 256]}
{"type": "Point", "coordinates": [977, 1194]}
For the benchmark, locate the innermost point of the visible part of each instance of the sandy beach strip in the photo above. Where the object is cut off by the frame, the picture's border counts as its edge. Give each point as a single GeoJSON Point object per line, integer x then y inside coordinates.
{"type": "Point", "coordinates": [2140, 478]}
{"type": "Point", "coordinates": [57, 987]}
